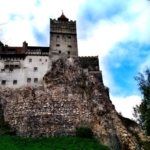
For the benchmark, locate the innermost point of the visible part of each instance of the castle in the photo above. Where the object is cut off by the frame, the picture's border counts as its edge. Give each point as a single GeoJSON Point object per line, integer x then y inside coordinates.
{"type": "Point", "coordinates": [27, 65]}
{"type": "Point", "coordinates": [73, 94]}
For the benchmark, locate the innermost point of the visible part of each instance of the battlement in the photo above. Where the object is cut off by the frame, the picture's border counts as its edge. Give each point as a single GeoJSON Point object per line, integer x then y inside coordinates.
{"type": "Point", "coordinates": [90, 62]}
{"type": "Point", "coordinates": [60, 21]}
{"type": "Point", "coordinates": [60, 26]}
{"type": "Point", "coordinates": [63, 25]}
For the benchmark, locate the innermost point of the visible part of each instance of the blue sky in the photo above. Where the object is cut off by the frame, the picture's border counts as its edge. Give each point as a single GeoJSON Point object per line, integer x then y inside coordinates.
{"type": "Point", "coordinates": [117, 31]}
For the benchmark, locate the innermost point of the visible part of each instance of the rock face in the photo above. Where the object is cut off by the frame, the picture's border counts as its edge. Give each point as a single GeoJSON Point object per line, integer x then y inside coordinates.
{"type": "Point", "coordinates": [69, 99]}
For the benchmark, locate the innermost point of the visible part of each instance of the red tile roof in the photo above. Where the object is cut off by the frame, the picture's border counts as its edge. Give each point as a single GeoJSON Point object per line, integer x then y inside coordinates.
{"type": "Point", "coordinates": [63, 17]}
{"type": "Point", "coordinates": [18, 50]}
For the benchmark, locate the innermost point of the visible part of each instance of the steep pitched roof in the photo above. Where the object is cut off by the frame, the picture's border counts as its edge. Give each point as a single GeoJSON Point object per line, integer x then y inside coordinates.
{"type": "Point", "coordinates": [63, 17]}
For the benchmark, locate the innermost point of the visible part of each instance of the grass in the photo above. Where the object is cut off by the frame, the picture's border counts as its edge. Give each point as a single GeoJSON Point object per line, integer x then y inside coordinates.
{"type": "Point", "coordinates": [53, 143]}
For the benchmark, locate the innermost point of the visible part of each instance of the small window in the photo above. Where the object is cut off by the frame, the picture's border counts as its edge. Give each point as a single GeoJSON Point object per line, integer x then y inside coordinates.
{"type": "Point", "coordinates": [11, 52]}
{"type": "Point", "coordinates": [3, 82]}
{"type": "Point", "coordinates": [2, 70]}
{"type": "Point", "coordinates": [35, 80]}
{"type": "Point", "coordinates": [69, 46]}
{"type": "Point", "coordinates": [35, 69]}
{"type": "Point", "coordinates": [11, 69]}
{"type": "Point", "coordinates": [30, 60]}
{"type": "Point", "coordinates": [40, 60]}
{"type": "Point", "coordinates": [16, 66]}
{"type": "Point", "coordinates": [57, 45]}
{"type": "Point", "coordinates": [69, 38]}
{"type": "Point", "coordinates": [6, 66]}
{"type": "Point", "coordinates": [45, 60]}
{"type": "Point", "coordinates": [57, 38]}
{"type": "Point", "coordinates": [14, 82]}
{"type": "Point", "coordinates": [59, 52]}
{"type": "Point", "coordinates": [68, 52]}
{"type": "Point", "coordinates": [28, 80]}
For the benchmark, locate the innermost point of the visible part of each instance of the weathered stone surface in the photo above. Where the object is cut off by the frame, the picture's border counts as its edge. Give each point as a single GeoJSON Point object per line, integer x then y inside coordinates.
{"type": "Point", "coordinates": [68, 99]}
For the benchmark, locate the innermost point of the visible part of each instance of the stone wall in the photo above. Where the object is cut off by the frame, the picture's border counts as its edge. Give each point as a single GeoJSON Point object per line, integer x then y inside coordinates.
{"type": "Point", "coordinates": [69, 99]}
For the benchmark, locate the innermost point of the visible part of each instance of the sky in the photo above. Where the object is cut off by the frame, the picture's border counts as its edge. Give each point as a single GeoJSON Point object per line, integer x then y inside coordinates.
{"type": "Point", "coordinates": [117, 31]}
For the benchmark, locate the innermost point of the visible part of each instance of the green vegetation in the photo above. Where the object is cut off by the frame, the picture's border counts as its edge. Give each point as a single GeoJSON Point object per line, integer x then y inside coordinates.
{"type": "Point", "coordinates": [84, 132]}
{"type": "Point", "coordinates": [142, 112]}
{"type": "Point", "coordinates": [53, 143]}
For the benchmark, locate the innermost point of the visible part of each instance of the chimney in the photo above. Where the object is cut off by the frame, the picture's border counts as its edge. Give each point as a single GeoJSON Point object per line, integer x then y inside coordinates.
{"type": "Point", "coordinates": [1, 47]}
{"type": "Point", "coordinates": [6, 48]}
{"type": "Point", "coordinates": [25, 46]}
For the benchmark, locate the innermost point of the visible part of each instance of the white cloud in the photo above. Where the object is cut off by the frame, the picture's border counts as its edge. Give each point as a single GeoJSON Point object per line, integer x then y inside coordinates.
{"type": "Point", "coordinates": [103, 38]}
{"type": "Point", "coordinates": [20, 29]}
{"type": "Point", "coordinates": [125, 104]}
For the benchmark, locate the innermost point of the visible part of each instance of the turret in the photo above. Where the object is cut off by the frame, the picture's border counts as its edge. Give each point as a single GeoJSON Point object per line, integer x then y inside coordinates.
{"type": "Point", "coordinates": [63, 36]}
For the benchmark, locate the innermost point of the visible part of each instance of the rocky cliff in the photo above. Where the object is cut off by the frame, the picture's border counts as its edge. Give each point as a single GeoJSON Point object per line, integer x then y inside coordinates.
{"type": "Point", "coordinates": [69, 99]}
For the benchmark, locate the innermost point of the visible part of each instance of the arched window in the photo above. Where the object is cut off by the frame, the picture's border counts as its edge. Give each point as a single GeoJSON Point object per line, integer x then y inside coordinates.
{"type": "Point", "coordinates": [69, 38]}
{"type": "Point", "coordinates": [57, 38]}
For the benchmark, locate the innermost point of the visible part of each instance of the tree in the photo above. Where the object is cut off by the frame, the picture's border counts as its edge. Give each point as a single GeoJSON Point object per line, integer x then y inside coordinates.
{"type": "Point", "coordinates": [137, 115]}
{"type": "Point", "coordinates": [142, 112]}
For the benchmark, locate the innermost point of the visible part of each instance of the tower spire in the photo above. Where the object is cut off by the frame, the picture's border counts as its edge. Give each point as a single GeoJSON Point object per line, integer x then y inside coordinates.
{"type": "Point", "coordinates": [63, 17]}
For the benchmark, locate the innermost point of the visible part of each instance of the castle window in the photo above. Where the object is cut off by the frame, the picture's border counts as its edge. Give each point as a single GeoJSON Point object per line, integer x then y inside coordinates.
{"type": "Point", "coordinates": [40, 60]}
{"type": "Point", "coordinates": [28, 80]}
{"type": "Point", "coordinates": [57, 45]}
{"type": "Point", "coordinates": [59, 52]}
{"type": "Point", "coordinates": [30, 60]}
{"type": "Point", "coordinates": [6, 66]}
{"type": "Point", "coordinates": [11, 69]}
{"type": "Point", "coordinates": [57, 38]}
{"type": "Point", "coordinates": [69, 46]}
{"type": "Point", "coordinates": [14, 82]}
{"type": "Point", "coordinates": [68, 52]}
{"type": "Point", "coordinates": [11, 66]}
{"type": "Point", "coordinates": [16, 66]}
{"type": "Point", "coordinates": [35, 69]}
{"type": "Point", "coordinates": [11, 52]}
{"type": "Point", "coordinates": [3, 82]}
{"type": "Point", "coordinates": [35, 80]}
{"type": "Point", "coordinates": [69, 38]}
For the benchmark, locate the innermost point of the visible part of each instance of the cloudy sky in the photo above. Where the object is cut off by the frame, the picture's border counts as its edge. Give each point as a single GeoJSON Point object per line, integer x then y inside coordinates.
{"type": "Point", "coordinates": [118, 31]}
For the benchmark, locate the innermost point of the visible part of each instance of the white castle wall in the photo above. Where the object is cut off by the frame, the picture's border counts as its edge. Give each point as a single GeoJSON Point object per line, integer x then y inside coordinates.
{"type": "Point", "coordinates": [39, 62]}
{"type": "Point", "coordinates": [26, 70]}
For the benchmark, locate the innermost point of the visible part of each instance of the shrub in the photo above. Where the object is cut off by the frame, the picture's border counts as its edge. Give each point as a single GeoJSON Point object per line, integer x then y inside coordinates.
{"type": "Point", "coordinates": [84, 132]}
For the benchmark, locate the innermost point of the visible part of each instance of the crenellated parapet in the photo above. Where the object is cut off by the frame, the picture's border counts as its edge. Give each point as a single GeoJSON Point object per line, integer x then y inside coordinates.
{"type": "Point", "coordinates": [91, 63]}
{"type": "Point", "coordinates": [60, 26]}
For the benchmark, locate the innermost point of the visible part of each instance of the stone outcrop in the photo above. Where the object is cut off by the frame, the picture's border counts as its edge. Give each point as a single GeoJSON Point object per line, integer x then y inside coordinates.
{"type": "Point", "coordinates": [69, 99]}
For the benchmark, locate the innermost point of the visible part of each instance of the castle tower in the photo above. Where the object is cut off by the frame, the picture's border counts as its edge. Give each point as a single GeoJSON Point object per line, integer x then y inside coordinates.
{"type": "Point", "coordinates": [63, 36]}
